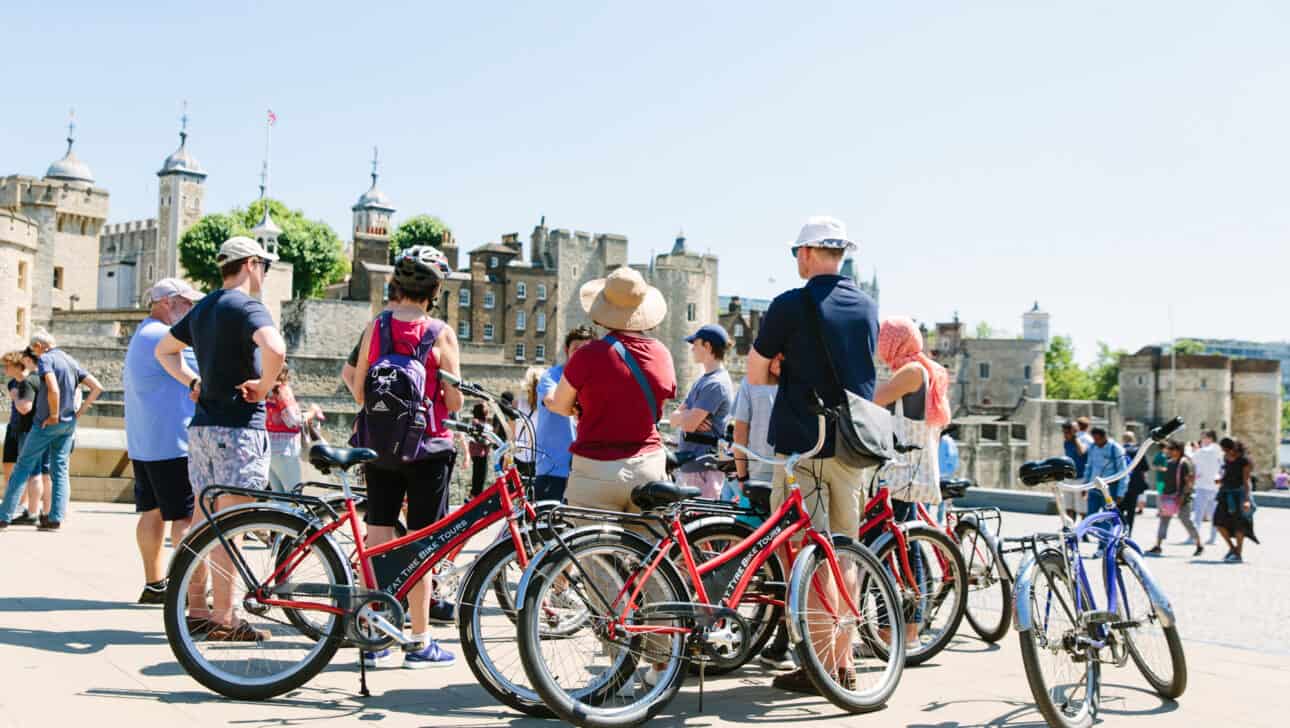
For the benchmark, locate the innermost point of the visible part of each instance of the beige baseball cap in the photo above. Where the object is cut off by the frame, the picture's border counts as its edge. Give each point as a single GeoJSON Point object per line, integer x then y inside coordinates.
{"type": "Point", "coordinates": [239, 247]}
{"type": "Point", "coordinates": [167, 287]}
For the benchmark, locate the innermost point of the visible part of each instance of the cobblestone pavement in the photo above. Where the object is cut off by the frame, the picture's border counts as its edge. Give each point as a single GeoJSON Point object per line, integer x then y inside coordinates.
{"type": "Point", "coordinates": [74, 647]}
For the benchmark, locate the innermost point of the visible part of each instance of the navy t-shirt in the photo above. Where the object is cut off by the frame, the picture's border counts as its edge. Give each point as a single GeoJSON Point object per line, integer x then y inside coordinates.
{"type": "Point", "coordinates": [219, 328]}
{"type": "Point", "coordinates": [849, 318]}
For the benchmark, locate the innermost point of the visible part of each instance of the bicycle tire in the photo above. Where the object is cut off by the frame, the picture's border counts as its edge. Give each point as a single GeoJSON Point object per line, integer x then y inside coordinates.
{"type": "Point", "coordinates": [1050, 566]}
{"type": "Point", "coordinates": [918, 534]}
{"type": "Point", "coordinates": [988, 576]}
{"type": "Point", "coordinates": [892, 656]}
{"type": "Point", "coordinates": [588, 709]}
{"type": "Point", "coordinates": [1176, 684]}
{"type": "Point", "coordinates": [181, 642]}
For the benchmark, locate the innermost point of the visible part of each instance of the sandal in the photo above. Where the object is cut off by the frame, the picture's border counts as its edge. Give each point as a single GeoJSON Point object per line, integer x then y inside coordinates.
{"type": "Point", "coordinates": [240, 632]}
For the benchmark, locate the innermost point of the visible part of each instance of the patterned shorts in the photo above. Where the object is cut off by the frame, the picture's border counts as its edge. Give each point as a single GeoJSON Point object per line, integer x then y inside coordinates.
{"type": "Point", "coordinates": [236, 456]}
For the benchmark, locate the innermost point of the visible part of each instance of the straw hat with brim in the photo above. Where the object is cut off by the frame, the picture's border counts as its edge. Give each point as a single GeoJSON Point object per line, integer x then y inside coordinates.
{"type": "Point", "coordinates": [623, 301]}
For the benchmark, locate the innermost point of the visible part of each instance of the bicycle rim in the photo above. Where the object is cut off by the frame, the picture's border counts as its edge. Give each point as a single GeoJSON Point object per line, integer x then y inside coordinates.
{"type": "Point", "coordinates": [1059, 672]}
{"type": "Point", "coordinates": [989, 603]}
{"type": "Point", "coordinates": [933, 602]}
{"type": "Point", "coordinates": [1155, 649]}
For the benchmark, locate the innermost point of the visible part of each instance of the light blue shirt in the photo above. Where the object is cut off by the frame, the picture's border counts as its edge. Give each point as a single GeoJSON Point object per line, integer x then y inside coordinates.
{"type": "Point", "coordinates": [947, 457]}
{"type": "Point", "coordinates": [1105, 461]}
{"type": "Point", "coordinates": [554, 432]}
{"type": "Point", "coordinates": [157, 407]}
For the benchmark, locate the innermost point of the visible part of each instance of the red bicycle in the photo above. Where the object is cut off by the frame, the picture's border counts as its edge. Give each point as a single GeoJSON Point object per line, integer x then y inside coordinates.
{"type": "Point", "coordinates": [297, 591]}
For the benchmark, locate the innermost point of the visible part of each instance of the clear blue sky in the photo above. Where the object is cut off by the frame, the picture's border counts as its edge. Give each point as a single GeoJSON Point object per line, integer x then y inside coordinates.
{"type": "Point", "coordinates": [1103, 158]}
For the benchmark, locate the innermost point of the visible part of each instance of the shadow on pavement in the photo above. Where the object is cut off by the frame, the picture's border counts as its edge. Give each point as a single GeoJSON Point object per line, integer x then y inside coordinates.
{"type": "Point", "coordinates": [57, 604]}
{"type": "Point", "coordinates": [1025, 715]}
{"type": "Point", "coordinates": [78, 643]}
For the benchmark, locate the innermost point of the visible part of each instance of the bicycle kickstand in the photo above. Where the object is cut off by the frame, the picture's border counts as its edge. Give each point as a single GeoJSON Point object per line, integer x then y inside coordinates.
{"type": "Point", "coordinates": [362, 676]}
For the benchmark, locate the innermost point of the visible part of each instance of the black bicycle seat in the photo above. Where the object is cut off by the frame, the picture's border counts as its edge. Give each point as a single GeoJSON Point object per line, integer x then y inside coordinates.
{"type": "Point", "coordinates": [1052, 470]}
{"type": "Point", "coordinates": [954, 488]}
{"type": "Point", "coordinates": [325, 456]}
{"type": "Point", "coordinates": [758, 497]}
{"type": "Point", "coordinates": [661, 493]}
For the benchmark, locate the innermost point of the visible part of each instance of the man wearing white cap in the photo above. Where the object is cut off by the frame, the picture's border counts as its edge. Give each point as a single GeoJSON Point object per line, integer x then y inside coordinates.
{"type": "Point", "coordinates": [819, 360]}
{"type": "Point", "coordinates": [157, 412]}
{"type": "Point", "coordinates": [239, 355]}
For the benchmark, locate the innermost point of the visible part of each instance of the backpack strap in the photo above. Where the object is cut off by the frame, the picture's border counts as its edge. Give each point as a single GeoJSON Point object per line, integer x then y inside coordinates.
{"type": "Point", "coordinates": [385, 332]}
{"type": "Point", "coordinates": [428, 338]}
{"type": "Point", "coordinates": [639, 375]}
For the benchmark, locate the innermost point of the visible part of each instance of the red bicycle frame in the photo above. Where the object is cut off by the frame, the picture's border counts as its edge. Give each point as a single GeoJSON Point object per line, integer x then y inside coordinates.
{"type": "Point", "coordinates": [879, 516]}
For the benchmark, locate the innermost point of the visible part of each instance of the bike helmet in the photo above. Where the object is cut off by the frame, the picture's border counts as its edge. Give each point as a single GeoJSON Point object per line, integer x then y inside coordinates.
{"type": "Point", "coordinates": [420, 268]}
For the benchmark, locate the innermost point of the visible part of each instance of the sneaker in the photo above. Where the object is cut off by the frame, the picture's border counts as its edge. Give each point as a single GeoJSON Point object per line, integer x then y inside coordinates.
{"type": "Point", "coordinates": [1199, 550]}
{"type": "Point", "coordinates": [1236, 559]}
{"type": "Point", "coordinates": [48, 525]}
{"type": "Point", "coordinates": [240, 632]}
{"type": "Point", "coordinates": [795, 682]}
{"type": "Point", "coordinates": [432, 655]}
{"type": "Point", "coordinates": [651, 676]}
{"type": "Point", "coordinates": [153, 593]}
{"type": "Point", "coordinates": [773, 660]}
{"type": "Point", "coordinates": [443, 612]}
{"type": "Point", "coordinates": [1155, 551]}
{"type": "Point", "coordinates": [26, 519]}
{"type": "Point", "coordinates": [381, 658]}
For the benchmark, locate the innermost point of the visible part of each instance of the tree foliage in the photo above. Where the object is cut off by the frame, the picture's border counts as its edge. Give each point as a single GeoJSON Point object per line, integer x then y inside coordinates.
{"type": "Point", "coordinates": [1184, 347]}
{"type": "Point", "coordinates": [417, 230]}
{"type": "Point", "coordinates": [1104, 375]}
{"type": "Point", "coordinates": [984, 330]}
{"type": "Point", "coordinates": [310, 246]}
{"type": "Point", "coordinates": [1285, 416]}
{"type": "Point", "coordinates": [1063, 378]}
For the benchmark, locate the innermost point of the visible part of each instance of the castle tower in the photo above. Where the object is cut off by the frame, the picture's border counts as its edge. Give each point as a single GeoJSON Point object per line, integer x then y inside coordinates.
{"type": "Point", "coordinates": [372, 230]}
{"type": "Point", "coordinates": [1035, 324]}
{"type": "Point", "coordinates": [70, 211]}
{"type": "Point", "coordinates": [180, 193]}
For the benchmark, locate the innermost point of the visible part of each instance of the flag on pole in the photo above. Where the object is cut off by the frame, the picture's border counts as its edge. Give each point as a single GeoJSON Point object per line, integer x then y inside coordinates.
{"type": "Point", "coordinates": [273, 118]}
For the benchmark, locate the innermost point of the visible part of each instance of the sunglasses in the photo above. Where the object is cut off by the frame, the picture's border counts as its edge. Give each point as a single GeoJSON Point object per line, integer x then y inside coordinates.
{"type": "Point", "coordinates": [266, 264]}
{"type": "Point", "coordinates": [794, 250]}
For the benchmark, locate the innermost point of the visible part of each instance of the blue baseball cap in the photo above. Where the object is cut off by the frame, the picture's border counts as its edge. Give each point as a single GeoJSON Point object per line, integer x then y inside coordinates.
{"type": "Point", "coordinates": [711, 333]}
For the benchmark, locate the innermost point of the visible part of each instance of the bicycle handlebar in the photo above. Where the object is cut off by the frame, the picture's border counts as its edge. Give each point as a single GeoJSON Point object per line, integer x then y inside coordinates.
{"type": "Point", "coordinates": [794, 458]}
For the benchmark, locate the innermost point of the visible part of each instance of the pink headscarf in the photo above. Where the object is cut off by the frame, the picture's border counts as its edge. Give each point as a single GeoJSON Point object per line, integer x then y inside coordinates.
{"type": "Point", "coordinates": [899, 342]}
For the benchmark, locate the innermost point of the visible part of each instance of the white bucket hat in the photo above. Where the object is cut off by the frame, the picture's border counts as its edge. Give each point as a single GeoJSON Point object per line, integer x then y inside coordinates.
{"type": "Point", "coordinates": [824, 232]}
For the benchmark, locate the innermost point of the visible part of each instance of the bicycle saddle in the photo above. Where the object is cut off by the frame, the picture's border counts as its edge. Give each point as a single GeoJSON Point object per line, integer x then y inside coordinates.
{"type": "Point", "coordinates": [954, 488]}
{"type": "Point", "coordinates": [324, 457]}
{"type": "Point", "coordinates": [758, 497]}
{"type": "Point", "coordinates": [1038, 472]}
{"type": "Point", "coordinates": [661, 493]}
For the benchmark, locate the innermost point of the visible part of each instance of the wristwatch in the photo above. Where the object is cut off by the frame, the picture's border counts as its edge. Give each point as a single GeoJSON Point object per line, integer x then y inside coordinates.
{"type": "Point", "coordinates": [196, 381]}
{"type": "Point", "coordinates": [744, 478]}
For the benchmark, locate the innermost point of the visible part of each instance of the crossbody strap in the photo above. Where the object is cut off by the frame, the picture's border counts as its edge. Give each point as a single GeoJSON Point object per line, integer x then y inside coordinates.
{"type": "Point", "coordinates": [639, 375]}
{"type": "Point", "coordinates": [817, 328]}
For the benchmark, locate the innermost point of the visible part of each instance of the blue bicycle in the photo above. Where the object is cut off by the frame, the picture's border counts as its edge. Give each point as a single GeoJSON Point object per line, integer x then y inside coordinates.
{"type": "Point", "coordinates": [1065, 636]}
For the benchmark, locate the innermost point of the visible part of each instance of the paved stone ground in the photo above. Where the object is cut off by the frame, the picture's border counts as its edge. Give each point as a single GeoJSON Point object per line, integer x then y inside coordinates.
{"type": "Point", "coordinates": [73, 647]}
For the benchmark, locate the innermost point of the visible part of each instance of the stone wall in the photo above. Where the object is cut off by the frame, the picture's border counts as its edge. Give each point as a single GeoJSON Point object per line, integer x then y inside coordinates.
{"type": "Point", "coordinates": [998, 372]}
{"type": "Point", "coordinates": [992, 449]}
{"type": "Point", "coordinates": [1256, 412]}
{"type": "Point", "coordinates": [18, 251]}
{"type": "Point", "coordinates": [323, 328]}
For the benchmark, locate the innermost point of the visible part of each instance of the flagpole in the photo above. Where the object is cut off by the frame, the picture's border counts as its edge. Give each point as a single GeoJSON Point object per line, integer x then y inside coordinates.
{"type": "Point", "coordinates": [1173, 364]}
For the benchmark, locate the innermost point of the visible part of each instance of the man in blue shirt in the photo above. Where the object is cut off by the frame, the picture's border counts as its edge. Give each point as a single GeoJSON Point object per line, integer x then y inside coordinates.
{"type": "Point", "coordinates": [1073, 447]}
{"type": "Point", "coordinates": [58, 376]}
{"type": "Point", "coordinates": [157, 412]}
{"type": "Point", "coordinates": [848, 317]}
{"type": "Point", "coordinates": [555, 432]}
{"type": "Point", "coordinates": [1105, 459]}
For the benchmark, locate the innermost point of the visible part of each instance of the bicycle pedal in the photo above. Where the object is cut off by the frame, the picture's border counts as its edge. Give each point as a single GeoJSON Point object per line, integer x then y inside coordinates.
{"type": "Point", "coordinates": [1099, 617]}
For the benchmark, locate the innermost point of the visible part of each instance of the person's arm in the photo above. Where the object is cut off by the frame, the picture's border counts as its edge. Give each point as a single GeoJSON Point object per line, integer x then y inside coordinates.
{"type": "Point", "coordinates": [545, 390]}
{"type": "Point", "coordinates": [170, 354]}
{"type": "Point", "coordinates": [273, 354]}
{"type": "Point", "coordinates": [51, 398]}
{"type": "Point", "coordinates": [741, 438]}
{"type": "Point", "coordinates": [347, 373]}
{"type": "Point", "coordinates": [95, 390]}
{"type": "Point", "coordinates": [360, 368]}
{"type": "Point", "coordinates": [772, 336]}
{"type": "Point", "coordinates": [564, 399]}
{"type": "Point", "coordinates": [907, 380]}
{"type": "Point", "coordinates": [448, 353]}
{"type": "Point", "coordinates": [758, 368]}
{"type": "Point", "coordinates": [689, 420]}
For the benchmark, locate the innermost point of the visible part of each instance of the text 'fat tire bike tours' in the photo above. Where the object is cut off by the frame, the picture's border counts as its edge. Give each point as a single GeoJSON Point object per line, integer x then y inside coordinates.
{"type": "Point", "coordinates": [302, 594]}
{"type": "Point", "coordinates": [652, 610]}
{"type": "Point", "coordinates": [1065, 636]}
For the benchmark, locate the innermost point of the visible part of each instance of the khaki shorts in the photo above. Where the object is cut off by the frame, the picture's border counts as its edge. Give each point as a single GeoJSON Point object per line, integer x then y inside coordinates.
{"type": "Point", "coordinates": [607, 484]}
{"type": "Point", "coordinates": [832, 492]}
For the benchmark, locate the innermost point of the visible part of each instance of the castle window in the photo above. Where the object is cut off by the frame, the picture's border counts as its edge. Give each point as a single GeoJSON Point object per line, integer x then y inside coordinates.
{"type": "Point", "coordinates": [489, 299]}
{"type": "Point", "coordinates": [521, 291]}
{"type": "Point", "coordinates": [521, 320]}
{"type": "Point", "coordinates": [519, 352]}
{"type": "Point", "coordinates": [463, 330]}
{"type": "Point", "coordinates": [541, 322]}
{"type": "Point", "coordinates": [983, 370]}
{"type": "Point", "coordinates": [1141, 380]}
{"type": "Point", "coordinates": [463, 297]}
{"type": "Point", "coordinates": [492, 261]}
{"type": "Point", "coordinates": [1025, 372]}
{"type": "Point", "coordinates": [691, 312]}
{"type": "Point", "coordinates": [22, 275]}
{"type": "Point", "coordinates": [488, 332]}
{"type": "Point", "coordinates": [58, 276]}
{"type": "Point", "coordinates": [60, 223]}
{"type": "Point", "coordinates": [541, 292]}
{"type": "Point", "coordinates": [539, 353]}
{"type": "Point", "coordinates": [85, 226]}
{"type": "Point", "coordinates": [111, 274]}
{"type": "Point", "coordinates": [20, 327]}
{"type": "Point", "coordinates": [739, 330]}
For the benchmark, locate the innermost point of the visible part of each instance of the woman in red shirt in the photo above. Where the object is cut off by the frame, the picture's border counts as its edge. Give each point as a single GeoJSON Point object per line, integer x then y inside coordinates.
{"type": "Point", "coordinates": [419, 272]}
{"type": "Point", "coordinates": [284, 421]}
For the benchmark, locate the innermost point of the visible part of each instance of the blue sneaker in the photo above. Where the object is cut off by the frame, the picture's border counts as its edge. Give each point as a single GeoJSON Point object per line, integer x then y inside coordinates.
{"type": "Point", "coordinates": [432, 655]}
{"type": "Point", "coordinates": [383, 658]}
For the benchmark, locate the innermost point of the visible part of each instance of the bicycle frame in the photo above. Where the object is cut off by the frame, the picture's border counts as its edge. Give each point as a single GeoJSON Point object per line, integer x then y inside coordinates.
{"type": "Point", "coordinates": [878, 515]}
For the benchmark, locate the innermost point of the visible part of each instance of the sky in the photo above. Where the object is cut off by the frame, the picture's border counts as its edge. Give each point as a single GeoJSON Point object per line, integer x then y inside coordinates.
{"type": "Point", "coordinates": [1123, 164]}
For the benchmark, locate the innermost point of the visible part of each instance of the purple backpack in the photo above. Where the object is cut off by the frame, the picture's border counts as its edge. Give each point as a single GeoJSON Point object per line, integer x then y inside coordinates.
{"type": "Point", "coordinates": [398, 419]}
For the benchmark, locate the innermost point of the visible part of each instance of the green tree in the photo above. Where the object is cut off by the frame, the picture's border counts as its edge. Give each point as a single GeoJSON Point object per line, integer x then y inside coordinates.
{"type": "Point", "coordinates": [1285, 416]}
{"type": "Point", "coordinates": [1184, 347]}
{"type": "Point", "coordinates": [200, 243]}
{"type": "Point", "coordinates": [1104, 374]}
{"type": "Point", "coordinates": [1063, 378]}
{"type": "Point", "coordinates": [984, 330]}
{"type": "Point", "coordinates": [417, 230]}
{"type": "Point", "coordinates": [310, 246]}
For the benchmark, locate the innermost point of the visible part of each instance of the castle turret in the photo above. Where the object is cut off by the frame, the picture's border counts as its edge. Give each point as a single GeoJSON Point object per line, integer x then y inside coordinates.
{"type": "Point", "coordinates": [180, 191]}
{"type": "Point", "coordinates": [1035, 324]}
{"type": "Point", "coordinates": [372, 230]}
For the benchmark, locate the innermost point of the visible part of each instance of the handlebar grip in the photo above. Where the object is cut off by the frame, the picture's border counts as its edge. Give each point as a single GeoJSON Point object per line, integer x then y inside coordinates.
{"type": "Point", "coordinates": [449, 378]}
{"type": "Point", "coordinates": [1167, 429]}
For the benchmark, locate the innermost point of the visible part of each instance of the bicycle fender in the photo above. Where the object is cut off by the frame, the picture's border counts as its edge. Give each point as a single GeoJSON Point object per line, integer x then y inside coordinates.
{"type": "Point", "coordinates": [1134, 561]}
{"type": "Point", "coordinates": [797, 575]}
{"type": "Point", "coordinates": [570, 539]}
{"type": "Point", "coordinates": [886, 536]}
{"type": "Point", "coordinates": [1022, 619]}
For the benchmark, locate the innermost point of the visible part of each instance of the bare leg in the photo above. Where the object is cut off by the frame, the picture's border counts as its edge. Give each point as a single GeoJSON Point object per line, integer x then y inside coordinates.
{"type": "Point", "coordinates": [46, 493]}
{"type": "Point", "coordinates": [149, 533]}
{"type": "Point", "coordinates": [38, 490]}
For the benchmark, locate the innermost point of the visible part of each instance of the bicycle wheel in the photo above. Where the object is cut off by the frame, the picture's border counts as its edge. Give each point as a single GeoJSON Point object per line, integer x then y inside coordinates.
{"type": "Point", "coordinates": [842, 650]}
{"type": "Point", "coordinates": [1062, 675]}
{"type": "Point", "coordinates": [989, 591]}
{"type": "Point", "coordinates": [1156, 649]}
{"type": "Point", "coordinates": [935, 600]}
{"type": "Point", "coordinates": [589, 678]}
{"type": "Point", "coordinates": [486, 625]}
{"type": "Point", "coordinates": [282, 657]}
{"type": "Point", "coordinates": [734, 647]}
